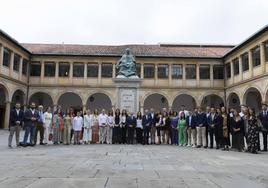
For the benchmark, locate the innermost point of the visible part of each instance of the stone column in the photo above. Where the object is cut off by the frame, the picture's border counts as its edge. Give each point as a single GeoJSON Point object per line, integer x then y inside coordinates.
{"type": "Point", "coordinates": [114, 70]}
{"type": "Point", "coordinates": [262, 54]}
{"type": "Point", "coordinates": [20, 68]}
{"type": "Point", "coordinates": [142, 70]}
{"type": "Point", "coordinates": [250, 63]}
{"type": "Point", "coordinates": [155, 74]}
{"type": "Point", "coordinates": [57, 72]}
{"type": "Point", "coordinates": [85, 72]}
{"type": "Point", "coordinates": [211, 74]}
{"type": "Point", "coordinates": [169, 74]}
{"type": "Point", "coordinates": [232, 71]}
{"type": "Point", "coordinates": [71, 71]}
{"type": "Point", "coordinates": [197, 74]}
{"type": "Point", "coordinates": [42, 75]}
{"type": "Point", "coordinates": [183, 75]}
{"type": "Point", "coordinates": [11, 63]}
{"type": "Point", "coordinates": [1, 56]}
{"type": "Point", "coordinates": [240, 68]}
{"type": "Point", "coordinates": [7, 114]}
{"type": "Point", "coordinates": [99, 73]}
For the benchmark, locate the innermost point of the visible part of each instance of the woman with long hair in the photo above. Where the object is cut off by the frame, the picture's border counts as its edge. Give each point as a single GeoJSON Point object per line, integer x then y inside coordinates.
{"type": "Point", "coordinates": [158, 126]}
{"type": "Point", "coordinates": [123, 126]}
{"type": "Point", "coordinates": [253, 132]}
{"type": "Point", "coordinates": [182, 129]}
{"type": "Point", "coordinates": [95, 127]}
{"type": "Point", "coordinates": [117, 130]}
{"type": "Point", "coordinates": [110, 126]}
{"type": "Point", "coordinates": [237, 129]}
{"type": "Point", "coordinates": [67, 122]}
{"type": "Point", "coordinates": [139, 128]}
{"type": "Point", "coordinates": [224, 127]}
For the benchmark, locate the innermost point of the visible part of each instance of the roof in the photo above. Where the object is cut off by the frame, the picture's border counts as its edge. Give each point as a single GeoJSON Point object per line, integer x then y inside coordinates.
{"type": "Point", "coordinates": [139, 50]}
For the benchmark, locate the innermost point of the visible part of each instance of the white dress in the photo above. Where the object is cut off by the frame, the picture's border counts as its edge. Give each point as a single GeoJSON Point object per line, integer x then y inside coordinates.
{"type": "Point", "coordinates": [88, 123]}
{"type": "Point", "coordinates": [47, 125]}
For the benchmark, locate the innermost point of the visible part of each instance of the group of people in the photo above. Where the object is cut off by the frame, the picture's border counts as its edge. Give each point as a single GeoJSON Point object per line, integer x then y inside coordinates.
{"type": "Point", "coordinates": [197, 128]}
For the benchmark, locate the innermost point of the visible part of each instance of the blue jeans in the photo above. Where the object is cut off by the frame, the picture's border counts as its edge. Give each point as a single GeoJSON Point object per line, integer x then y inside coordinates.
{"type": "Point", "coordinates": [174, 136]}
{"type": "Point", "coordinates": [29, 130]}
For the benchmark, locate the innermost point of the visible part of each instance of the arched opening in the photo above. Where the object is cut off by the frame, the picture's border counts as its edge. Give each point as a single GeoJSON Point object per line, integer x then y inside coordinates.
{"type": "Point", "coordinates": [70, 100]}
{"type": "Point", "coordinates": [186, 100]}
{"type": "Point", "coordinates": [41, 98]}
{"type": "Point", "coordinates": [212, 101]}
{"type": "Point", "coordinates": [253, 99]}
{"type": "Point", "coordinates": [3, 99]}
{"type": "Point", "coordinates": [18, 96]}
{"type": "Point", "coordinates": [233, 101]}
{"type": "Point", "coordinates": [156, 101]}
{"type": "Point", "coordinates": [99, 101]}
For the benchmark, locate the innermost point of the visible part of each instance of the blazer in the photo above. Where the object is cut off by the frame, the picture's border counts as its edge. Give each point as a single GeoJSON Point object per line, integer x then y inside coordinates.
{"type": "Point", "coordinates": [264, 119]}
{"type": "Point", "coordinates": [28, 115]}
{"type": "Point", "coordinates": [201, 119]}
{"type": "Point", "coordinates": [211, 121]}
{"type": "Point", "coordinates": [146, 121]}
{"type": "Point", "coordinates": [131, 121]}
{"type": "Point", "coordinates": [193, 121]}
{"type": "Point", "coordinates": [152, 119]}
{"type": "Point", "coordinates": [14, 117]}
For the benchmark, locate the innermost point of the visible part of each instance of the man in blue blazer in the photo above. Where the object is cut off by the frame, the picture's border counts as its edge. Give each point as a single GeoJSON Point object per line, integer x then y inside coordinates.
{"type": "Point", "coordinates": [30, 120]}
{"type": "Point", "coordinates": [15, 124]}
{"type": "Point", "coordinates": [146, 122]}
{"type": "Point", "coordinates": [191, 122]}
{"type": "Point", "coordinates": [131, 124]}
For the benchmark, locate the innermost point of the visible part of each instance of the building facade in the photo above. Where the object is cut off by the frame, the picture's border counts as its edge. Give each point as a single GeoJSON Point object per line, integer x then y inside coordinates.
{"type": "Point", "coordinates": [81, 76]}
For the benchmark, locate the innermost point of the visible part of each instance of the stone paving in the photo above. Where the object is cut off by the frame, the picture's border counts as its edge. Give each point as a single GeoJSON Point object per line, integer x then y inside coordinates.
{"type": "Point", "coordinates": [124, 166]}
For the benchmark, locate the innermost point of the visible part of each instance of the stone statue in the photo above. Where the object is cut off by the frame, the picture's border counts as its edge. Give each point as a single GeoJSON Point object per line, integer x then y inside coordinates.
{"type": "Point", "coordinates": [127, 66]}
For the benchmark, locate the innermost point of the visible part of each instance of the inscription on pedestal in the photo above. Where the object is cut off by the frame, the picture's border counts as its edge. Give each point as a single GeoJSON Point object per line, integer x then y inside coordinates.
{"type": "Point", "coordinates": [127, 99]}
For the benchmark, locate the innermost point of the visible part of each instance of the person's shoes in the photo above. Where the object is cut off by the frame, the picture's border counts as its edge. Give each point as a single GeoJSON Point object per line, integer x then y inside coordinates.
{"type": "Point", "coordinates": [42, 143]}
{"type": "Point", "coordinates": [264, 150]}
{"type": "Point", "coordinates": [198, 146]}
{"type": "Point", "coordinates": [10, 146]}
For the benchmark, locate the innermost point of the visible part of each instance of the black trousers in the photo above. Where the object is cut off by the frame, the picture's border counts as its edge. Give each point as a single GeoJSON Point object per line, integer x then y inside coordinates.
{"type": "Point", "coordinates": [264, 134]}
{"type": "Point", "coordinates": [146, 131]}
{"type": "Point", "coordinates": [214, 132]}
{"type": "Point", "coordinates": [130, 135]}
{"type": "Point", "coordinates": [139, 135]}
{"type": "Point", "coordinates": [116, 135]}
{"type": "Point", "coordinates": [39, 128]}
{"type": "Point", "coordinates": [123, 135]}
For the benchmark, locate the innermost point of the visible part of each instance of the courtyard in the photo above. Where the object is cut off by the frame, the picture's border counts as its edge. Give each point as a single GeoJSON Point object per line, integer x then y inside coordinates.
{"type": "Point", "coordinates": [126, 166]}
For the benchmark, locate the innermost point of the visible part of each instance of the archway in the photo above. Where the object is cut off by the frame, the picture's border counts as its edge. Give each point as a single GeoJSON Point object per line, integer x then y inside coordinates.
{"type": "Point", "coordinates": [41, 98]}
{"type": "Point", "coordinates": [212, 101]}
{"type": "Point", "coordinates": [233, 101]}
{"type": "Point", "coordinates": [99, 101]}
{"type": "Point", "coordinates": [70, 100]}
{"type": "Point", "coordinates": [156, 101]}
{"type": "Point", "coordinates": [252, 98]}
{"type": "Point", "coordinates": [184, 99]}
{"type": "Point", "coordinates": [18, 96]}
{"type": "Point", "coordinates": [3, 99]}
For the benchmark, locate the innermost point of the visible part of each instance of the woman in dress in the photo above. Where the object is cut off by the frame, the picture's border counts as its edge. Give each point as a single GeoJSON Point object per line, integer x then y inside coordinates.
{"type": "Point", "coordinates": [67, 122]}
{"type": "Point", "coordinates": [166, 128]}
{"type": "Point", "coordinates": [174, 130]}
{"type": "Point", "coordinates": [158, 126]}
{"type": "Point", "coordinates": [88, 122]}
{"type": "Point", "coordinates": [95, 127]}
{"type": "Point", "coordinates": [237, 129]}
{"type": "Point", "coordinates": [224, 128]}
{"type": "Point", "coordinates": [117, 129]}
{"type": "Point", "coordinates": [57, 124]}
{"type": "Point", "coordinates": [139, 128]}
{"type": "Point", "coordinates": [47, 124]}
{"type": "Point", "coordinates": [110, 125]}
{"type": "Point", "coordinates": [182, 129]}
{"type": "Point", "coordinates": [253, 133]}
{"type": "Point", "coordinates": [123, 126]}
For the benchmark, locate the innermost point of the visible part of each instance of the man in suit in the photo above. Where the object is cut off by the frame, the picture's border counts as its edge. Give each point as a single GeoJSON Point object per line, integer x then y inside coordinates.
{"type": "Point", "coordinates": [40, 125]}
{"type": "Point", "coordinates": [208, 109]}
{"type": "Point", "coordinates": [30, 120]}
{"type": "Point", "coordinates": [213, 128]}
{"type": "Point", "coordinates": [201, 129]}
{"type": "Point", "coordinates": [131, 124]}
{"type": "Point", "coordinates": [263, 117]}
{"type": "Point", "coordinates": [152, 125]}
{"type": "Point", "coordinates": [15, 124]}
{"type": "Point", "coordinates": [191, 128]}
{"type": "Point", "coordinates": [146, 121]}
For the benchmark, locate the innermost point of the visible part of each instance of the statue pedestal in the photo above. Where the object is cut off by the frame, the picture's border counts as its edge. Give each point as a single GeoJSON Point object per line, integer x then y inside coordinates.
{"type": "Point", "coordinates": [127, 93]}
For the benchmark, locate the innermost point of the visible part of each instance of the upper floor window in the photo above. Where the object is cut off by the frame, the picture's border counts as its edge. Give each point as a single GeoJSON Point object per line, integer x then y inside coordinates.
{"type": "Point", "coordinates": [256, 56]}
{"type": "Point", "coordinates": [204, 71]}
{"type": "Point", "coordinates": [245, 65]}
{"type": "Point", "coordinates": [148, 71]}
{"type": "Point", "coordinates": [236, 66]}
{"type": "Point", "coordinates": [190, 71]}
{"type": "Point", "coordinates": [228, 70]}
{"type": "Point", "coordinates": [16, 62]}
{"type": "Point", "coordinates": [35, 69]}
{"type": "Point", "coordinates": [50, 67]}
{"type": "Point", "coordinates": [78, 70]}
{"type": "Point", "coordinates": [24, 67]}
{"type": "Point", "coordinates": [266, 51]}
{"type": "Point", "coordinates": [138, 69]}
{"type": "Point", "coordinates": [106, 70]}
{"type": "Point", "coordinates": [177, 71]}
{"type": "Point", "coordinates": [162, 71]}
{"type": "Point", "coordinates": [92, 70]}
{"type": "Point", "coordinates": [6, 58]}
{"type": "Point", "coordinates": [64, 69]}
{"type": "Point", "coordinates": [218, 71]}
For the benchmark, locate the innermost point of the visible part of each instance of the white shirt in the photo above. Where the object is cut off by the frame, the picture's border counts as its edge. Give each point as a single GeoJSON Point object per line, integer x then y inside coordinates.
{"type": "Point", "coordinates": [18, 111]}
{"type": "Point", "coordinates": [77, 123]}
{"type": "Point", "coordinates": [110, 121]}
{"type": "Point", "coordinates": [241, 114]}
{"type": "Point", "coordinates": [139, 123]}
{"type": "Point", "coordinates": [103, 119]}
{"type": "Point", "coordinates": [88, 121]}
{"type": "Point", "coordinates": [47, 118]}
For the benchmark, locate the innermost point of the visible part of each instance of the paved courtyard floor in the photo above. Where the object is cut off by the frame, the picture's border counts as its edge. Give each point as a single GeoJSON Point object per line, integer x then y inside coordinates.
{"type": "Point", "coordinates": [124, 166]}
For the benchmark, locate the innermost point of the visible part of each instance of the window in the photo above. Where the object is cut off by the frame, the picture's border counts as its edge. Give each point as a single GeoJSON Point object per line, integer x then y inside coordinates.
{"type": "Point", "coordinates": [78, 70]}
{"type": "Point", "coordinates": [24, 67]}
{"type": "Point", "coordinates": [204, 72]}
{"type": "Point", "coordinates": [218, 72]}
{"type": "Point", "coordinates": [106, 70]}
{"type": "Point", "coordinates": [162, 71]}
{"type": "Point", "coordinates": [266, 51]}
{"type": "Point", "coordinates": [16, 62]}
{"type": "Point", "coordinates": [6, 58]}
{"type": "Point", "coordinates": [228, 70]}
{"type": "Point", "coordinates": [245, 65]}
{"type": "Point", "coordinates": [138, 69]}
{"type": "Point", "coordinates": [190, 71]}
{"type": "Point", "coordinates": [50, 68]}
{"type": "Point", "coordinates": [92, 70]}
{"type": "Point", "coordinates": [35, 69]}
{"type": "Point", "coordinates": [177, 71]}
{"type": "Point", "coordinates": [236, 66]}
{"type": "Point", "coordinates": [148, 71]}
{"type": "Point", "coordinates": [256, 56]}
{"type": "Point", "coordinates": [64, 69]}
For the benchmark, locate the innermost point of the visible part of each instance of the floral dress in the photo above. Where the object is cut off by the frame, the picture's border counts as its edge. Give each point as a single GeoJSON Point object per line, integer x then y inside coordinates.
{"type": "Point", "coordinates": [253, 135]}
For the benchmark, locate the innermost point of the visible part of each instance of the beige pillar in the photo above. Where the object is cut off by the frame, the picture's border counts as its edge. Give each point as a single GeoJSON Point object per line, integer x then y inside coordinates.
{"type": "Point", "coordinates": [142, 70]}
{"type": "Point", "coordinates": [84, 108]}
{"type": "Point", "coordinates": [155, 74]}
{"type": "Point", "coordinates": [197, 74]}
{"type": "Point", "coordinates": [7, 114]}
{"type": "Point", "coordinates": [11, 64]}
{"type": "Point", "coordinates": [170, 74]}
{"type": "Point", "coordinates": [71, 71]}
{"type": "Point", "coordinates": [262, 53]}
{"type": "Point", "coordinates": [99, 73]}
{"type": "Point", "coordinates": [232, 71]}
{"type": "Point", "coordinates": [250, 63]}
{"type": "Point", "coordinates": [114, 70]}
{"type": "Point", "coordinates": [57, 72]}
{"type": "Point", "coordinates": [183, 75]}
{"type": "Point", "coordinates": [1, 56]}
{"type": "Point", "coordinates": [20, 68]}
{"type": "Point", "coordinates": [42, 75]}
{"type": "Point", "coordinates": [211, 75]}
{"type": "Point", "coordinates": [240, 68]}
{"type": "Point", "coordinates": [85, 72]}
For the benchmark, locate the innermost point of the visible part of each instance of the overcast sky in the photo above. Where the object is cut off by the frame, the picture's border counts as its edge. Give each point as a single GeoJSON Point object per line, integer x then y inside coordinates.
{"type": "Point", "coordinates": [132, 21]}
